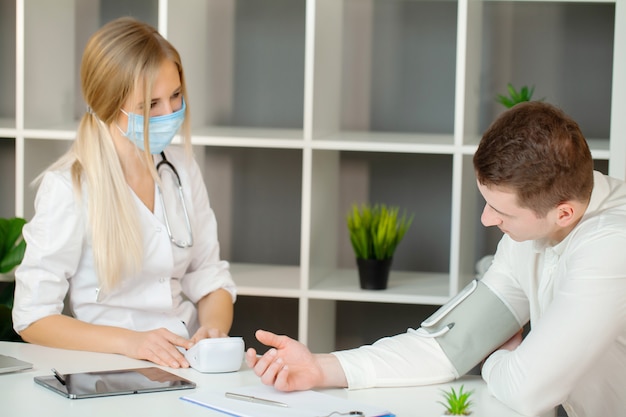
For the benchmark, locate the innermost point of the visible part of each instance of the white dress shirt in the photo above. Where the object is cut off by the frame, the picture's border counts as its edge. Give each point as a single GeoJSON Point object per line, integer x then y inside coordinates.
{"type": "Point", "coordinates": [58, 265]}
{"type": "Point", "coordinates": [574, 295]}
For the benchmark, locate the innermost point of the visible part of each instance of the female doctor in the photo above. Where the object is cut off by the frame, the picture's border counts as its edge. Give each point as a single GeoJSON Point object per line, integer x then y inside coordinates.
{"type": "Point", "coordinates": [133, 257]}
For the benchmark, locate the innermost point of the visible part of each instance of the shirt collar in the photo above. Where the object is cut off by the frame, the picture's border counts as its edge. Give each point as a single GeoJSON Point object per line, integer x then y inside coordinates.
{"type": "Point", "coordinates": [599, 193]}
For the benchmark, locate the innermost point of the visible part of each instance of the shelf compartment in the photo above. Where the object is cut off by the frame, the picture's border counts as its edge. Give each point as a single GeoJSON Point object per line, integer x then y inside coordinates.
{"type": "Point", "coordinates": [52, 95]}
{"type": "Point", "coordinates": [7, 63]}
{"type": "Point", "coordinates": [244, 61]}
{"type": "Point", "coordinates": [566, 54]}
{"type": "Point", "coordinates": [346, 178]}
{"type": "Point", "coordinates": [256, 196]}
{"type": "Point", "coordinates": [7, 173]}
{"type": "Point", "coordinates": [279, 315]}
{"type": "Point", "coordinates": [392, 71]}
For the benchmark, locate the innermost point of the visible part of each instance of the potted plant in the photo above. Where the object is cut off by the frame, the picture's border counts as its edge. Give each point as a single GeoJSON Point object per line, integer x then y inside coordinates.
{"type": "Point", "coordinates": [457, 404]}
{"type": "Point", "coordinates": [524, 94]}
{"type": "Point", "coordinates": [375, 232]}
{"type": "Point", "coordinates": [12, 244]}
{"type": "Point", "coordinates": [12, 247]}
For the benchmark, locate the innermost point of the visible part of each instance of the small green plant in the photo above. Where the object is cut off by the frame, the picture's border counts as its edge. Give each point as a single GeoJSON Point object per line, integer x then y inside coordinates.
{"type": "Point", "coordinates": [12, 244]}
{"type": "Point", "coordinates": [524, 94]}
{"type": "Point", "coordinates": [457, 404]}
{"type": "Point", "coordinates": [376, 231]}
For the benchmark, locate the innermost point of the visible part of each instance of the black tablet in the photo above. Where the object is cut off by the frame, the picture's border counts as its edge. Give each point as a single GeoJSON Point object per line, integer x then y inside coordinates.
{"type": "Point", "coordinates": [118, 382]}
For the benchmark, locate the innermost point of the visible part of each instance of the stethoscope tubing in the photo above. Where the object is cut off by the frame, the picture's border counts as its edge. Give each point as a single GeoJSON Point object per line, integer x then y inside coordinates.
{"type": "Point", "coordinates": [180, 243]}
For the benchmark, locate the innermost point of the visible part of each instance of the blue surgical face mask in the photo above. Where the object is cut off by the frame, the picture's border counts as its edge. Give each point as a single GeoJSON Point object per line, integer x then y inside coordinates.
{"type": "Point", "coordinates": [162, 129]}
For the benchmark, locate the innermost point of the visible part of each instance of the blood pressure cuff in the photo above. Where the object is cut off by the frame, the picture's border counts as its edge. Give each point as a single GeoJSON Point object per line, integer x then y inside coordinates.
{"type": "Point", "coordinates": [470, 326]}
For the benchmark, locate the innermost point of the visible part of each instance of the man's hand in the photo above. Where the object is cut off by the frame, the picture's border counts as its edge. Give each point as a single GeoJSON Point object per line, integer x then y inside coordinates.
{"type": "Point", "coordinates": [289, 365]}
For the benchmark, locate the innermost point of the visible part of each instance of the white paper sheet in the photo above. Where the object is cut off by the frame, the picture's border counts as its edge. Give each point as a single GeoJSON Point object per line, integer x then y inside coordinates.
{"type": "Point", "coordinates": [300, 404]}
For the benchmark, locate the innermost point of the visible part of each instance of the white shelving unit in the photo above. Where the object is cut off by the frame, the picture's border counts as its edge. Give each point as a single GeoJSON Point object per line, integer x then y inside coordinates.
{"type": "Point", "coordinates": [302, 107]}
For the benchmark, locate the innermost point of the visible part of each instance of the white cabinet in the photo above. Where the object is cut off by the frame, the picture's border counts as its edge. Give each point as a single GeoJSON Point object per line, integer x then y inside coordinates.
{"type": "Point", "coordinates": [302, 107]}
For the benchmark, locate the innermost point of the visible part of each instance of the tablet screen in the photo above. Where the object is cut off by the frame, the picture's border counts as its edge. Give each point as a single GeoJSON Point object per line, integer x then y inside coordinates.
{"type": "Point", "coordinates": [118, 382]}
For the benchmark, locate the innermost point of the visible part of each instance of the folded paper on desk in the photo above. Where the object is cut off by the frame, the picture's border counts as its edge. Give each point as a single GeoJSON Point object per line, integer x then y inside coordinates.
{"type": "Point", "coordinates": [299, 404]}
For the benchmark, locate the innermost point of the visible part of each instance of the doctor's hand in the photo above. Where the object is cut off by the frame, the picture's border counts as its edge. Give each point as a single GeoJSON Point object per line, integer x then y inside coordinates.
{"type": "Point", "coordinates": [207, 333]}
{"type": "Point", "coordinates": [158, 346]}
{"type": "Point", "coordinates": [290, 366]}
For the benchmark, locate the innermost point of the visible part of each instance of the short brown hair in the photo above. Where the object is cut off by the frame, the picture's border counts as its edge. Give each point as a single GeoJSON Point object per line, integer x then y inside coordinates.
{"type": "Point", "coordinates": [539, 152]}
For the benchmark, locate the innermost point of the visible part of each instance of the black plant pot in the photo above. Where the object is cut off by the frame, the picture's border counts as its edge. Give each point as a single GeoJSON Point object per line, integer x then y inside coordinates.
{"type": "Point", "coordinates": [374, 273]}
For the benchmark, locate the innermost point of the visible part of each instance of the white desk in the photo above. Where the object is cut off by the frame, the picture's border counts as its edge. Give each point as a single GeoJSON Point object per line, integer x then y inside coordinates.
{"type": "Point", "coordinates": [21, 397]}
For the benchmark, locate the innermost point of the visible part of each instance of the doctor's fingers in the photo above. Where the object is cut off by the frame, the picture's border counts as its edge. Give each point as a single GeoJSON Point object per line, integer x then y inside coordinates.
{"type": "Point", "coordinates": [159, 346]}
{"type": "Point", "coordinates": [167, 354]}
{"type": "Point", "coordinates": [207, 333]}
{"type": "Point", "coordinates": [174, 339]}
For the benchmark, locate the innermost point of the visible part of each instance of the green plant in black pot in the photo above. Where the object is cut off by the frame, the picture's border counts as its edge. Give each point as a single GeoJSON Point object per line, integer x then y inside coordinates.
{"type": "Point", "coordinates": [375, 232]}
{"type": "Point", "coordinates": [514, 97]}
{"type": "Point", "coordinates": [12, 247]}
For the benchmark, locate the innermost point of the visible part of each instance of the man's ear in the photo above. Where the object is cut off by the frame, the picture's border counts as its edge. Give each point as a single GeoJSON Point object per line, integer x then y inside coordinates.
{"type": "Point", "coordinates": [567, 213]}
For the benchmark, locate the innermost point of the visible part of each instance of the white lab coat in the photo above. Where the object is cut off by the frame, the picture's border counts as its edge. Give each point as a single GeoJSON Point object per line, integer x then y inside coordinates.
{"type": "Point", "coordinates": [58, 264]}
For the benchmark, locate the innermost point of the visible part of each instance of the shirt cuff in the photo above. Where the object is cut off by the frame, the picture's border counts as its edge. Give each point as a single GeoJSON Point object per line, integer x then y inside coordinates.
{"type": "Point", "coordinates": [403, 360]}
{"type": "Point", "coordinates": [357, 368]}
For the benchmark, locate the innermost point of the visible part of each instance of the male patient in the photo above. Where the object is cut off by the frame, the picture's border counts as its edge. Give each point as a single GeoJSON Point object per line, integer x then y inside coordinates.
{"type": "Point", "coordinates": [561, 265]}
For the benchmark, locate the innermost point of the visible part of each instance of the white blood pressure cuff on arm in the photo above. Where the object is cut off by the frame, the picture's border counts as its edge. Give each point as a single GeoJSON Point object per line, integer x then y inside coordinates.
{"type": "Point", "coordinates": [470, 326]}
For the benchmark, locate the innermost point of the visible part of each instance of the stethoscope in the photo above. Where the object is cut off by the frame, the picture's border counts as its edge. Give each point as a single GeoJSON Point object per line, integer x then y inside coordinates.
{"type": "Point", "coordinates": [180, 243]}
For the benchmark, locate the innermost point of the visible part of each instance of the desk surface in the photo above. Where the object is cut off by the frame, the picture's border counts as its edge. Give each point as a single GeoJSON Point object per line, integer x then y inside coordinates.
{"type": "Point", "coordinates": [21, 397]}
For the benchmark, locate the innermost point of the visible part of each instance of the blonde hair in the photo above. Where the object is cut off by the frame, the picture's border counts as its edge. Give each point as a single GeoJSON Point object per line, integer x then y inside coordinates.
{"type": "Point", "coordinates": [120, 57]}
